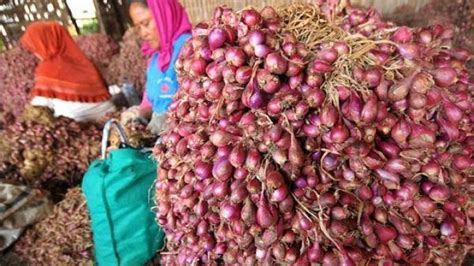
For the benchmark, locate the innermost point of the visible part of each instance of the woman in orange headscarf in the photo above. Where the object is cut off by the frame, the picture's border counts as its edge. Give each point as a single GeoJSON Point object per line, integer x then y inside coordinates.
{"type": "Point", "coordinates": [65, 79]}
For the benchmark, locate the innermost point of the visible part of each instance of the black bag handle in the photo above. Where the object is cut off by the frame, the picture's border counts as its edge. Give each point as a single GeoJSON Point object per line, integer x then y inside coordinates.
{"type": "Point", "coordinates": [112, 123]}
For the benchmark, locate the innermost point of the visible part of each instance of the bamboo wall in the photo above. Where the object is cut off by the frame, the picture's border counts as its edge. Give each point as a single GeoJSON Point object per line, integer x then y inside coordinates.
{"type": "Point", "coordinates": [389, 6]}
{"type": "Point", "coordinates": [16, 15]}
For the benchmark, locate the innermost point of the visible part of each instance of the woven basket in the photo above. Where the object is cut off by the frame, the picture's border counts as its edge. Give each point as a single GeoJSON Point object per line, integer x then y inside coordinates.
{"type": "Point", "coordinates": [199, 10]}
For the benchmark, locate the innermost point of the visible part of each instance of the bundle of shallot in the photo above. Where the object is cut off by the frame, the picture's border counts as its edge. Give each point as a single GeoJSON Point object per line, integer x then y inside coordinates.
{"type": "Point", "coordinates": [317, 134]}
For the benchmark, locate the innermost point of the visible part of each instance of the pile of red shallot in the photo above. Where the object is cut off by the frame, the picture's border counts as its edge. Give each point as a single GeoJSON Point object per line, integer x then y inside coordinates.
{"type": "Point", "coordinates": [99, 48]}
{"type": "Point", "coordinates": [63, 238]}
{"type": "Point", "coordinates": [45, 152]}
{"type": "Point", "coordinates": [317, 134]}
{"type": "Point", "coordinates": [17, 74]}
{"type": "Point", "coordinates": [129, 64]}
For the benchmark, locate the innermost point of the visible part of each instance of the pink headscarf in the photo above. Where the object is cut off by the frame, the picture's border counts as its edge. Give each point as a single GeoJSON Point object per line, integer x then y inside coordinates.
{"type": "Point", "coordinates": [171, 21]}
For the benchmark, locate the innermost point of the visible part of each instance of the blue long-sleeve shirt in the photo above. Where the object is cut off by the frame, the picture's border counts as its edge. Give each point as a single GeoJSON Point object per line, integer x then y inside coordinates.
{"type": "Point", "coordinates": [161, 86]}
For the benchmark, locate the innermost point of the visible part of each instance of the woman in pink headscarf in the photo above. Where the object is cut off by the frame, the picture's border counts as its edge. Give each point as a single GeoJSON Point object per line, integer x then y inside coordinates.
{"type": "Point", "coordinates": [164, 27]}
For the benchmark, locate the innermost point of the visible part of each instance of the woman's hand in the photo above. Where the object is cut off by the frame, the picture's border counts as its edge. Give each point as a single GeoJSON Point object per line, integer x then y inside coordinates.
{"type": "Point", "coordinates": [157, 123]}
{"type": "Point", "coordinates": [146, 112]}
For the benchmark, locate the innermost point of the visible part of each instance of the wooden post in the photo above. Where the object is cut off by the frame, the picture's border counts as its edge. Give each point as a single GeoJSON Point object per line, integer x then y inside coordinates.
{"type": "Point", "coordinates": [100, 17]}
{"type": "Point", "coordinates": [118, 15]}
{"type": "Point", "coordinates": [3, 39]}
{"type": "Point", "coordinates": [73, 20]}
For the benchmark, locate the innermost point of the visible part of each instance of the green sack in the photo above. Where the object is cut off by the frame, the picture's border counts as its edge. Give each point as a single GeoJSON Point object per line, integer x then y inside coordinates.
{"type": "Point", "coordinates": [117, 189]}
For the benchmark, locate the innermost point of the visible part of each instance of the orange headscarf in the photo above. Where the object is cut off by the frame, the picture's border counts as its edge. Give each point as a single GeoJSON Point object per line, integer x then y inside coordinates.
{"type": "Point", "coordinates": [64, 72]}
